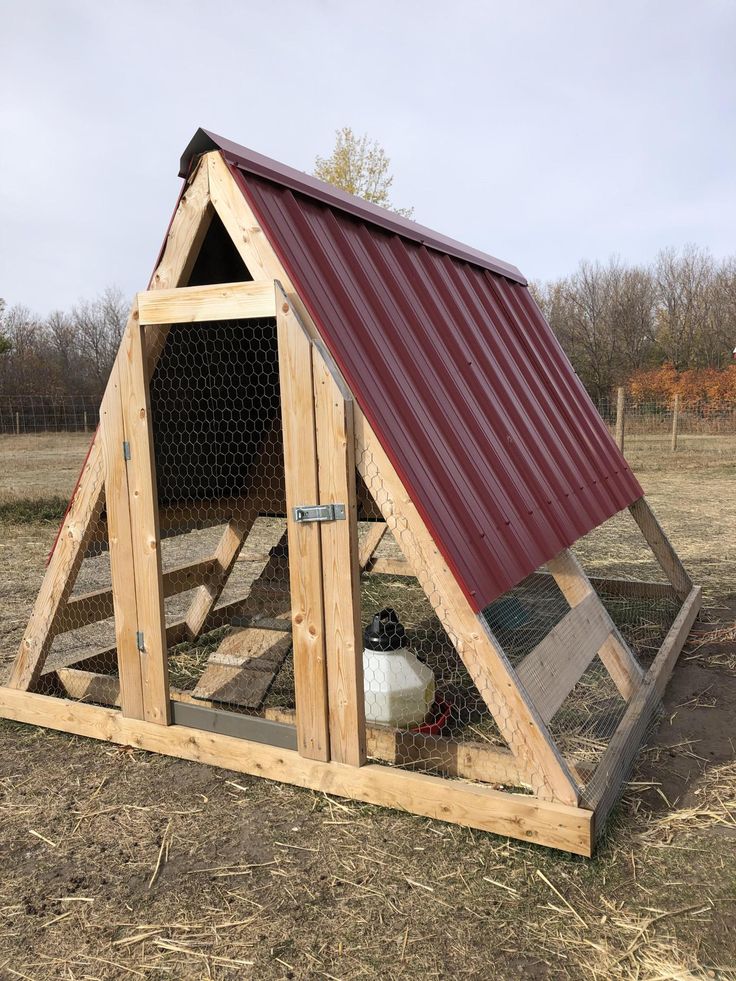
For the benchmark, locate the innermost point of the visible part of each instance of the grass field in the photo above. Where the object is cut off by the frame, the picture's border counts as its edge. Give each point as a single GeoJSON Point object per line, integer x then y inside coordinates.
{"type": "Point", "coordinates": [117, 864]}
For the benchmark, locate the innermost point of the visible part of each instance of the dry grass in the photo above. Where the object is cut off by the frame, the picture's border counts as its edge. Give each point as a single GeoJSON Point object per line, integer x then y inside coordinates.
{"type": "Point", "coordinates": [42, 466]}
{"type": "Point", "coordinates": [119, 864]}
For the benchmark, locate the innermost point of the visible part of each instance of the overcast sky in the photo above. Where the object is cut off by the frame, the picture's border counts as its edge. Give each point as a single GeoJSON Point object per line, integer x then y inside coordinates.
{"type": "Point", "coordinates": [541, 132]}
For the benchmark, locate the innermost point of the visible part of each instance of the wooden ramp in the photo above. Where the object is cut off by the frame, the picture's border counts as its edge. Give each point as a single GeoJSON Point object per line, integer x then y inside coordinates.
{"type": "Point", "coordinates": [244, 666]}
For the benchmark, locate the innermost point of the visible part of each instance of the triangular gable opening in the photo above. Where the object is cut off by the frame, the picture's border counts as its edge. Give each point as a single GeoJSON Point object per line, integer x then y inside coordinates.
{"type": "Point", "coordinates": [218, 260]}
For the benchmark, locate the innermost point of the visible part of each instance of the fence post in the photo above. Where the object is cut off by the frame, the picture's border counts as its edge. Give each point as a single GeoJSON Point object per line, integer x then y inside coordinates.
{"type": "Point", "coordinates": [675, 420]}
{"type": "Point", "coordinates": [620, 416]}
{"type": "Point", "coordinates": [85, 420]}
{"type": "Point", "coordinates": [17, 423]}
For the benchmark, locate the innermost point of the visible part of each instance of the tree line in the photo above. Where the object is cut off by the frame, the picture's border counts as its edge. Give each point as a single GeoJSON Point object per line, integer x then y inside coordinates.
{"type": "Point", "coordinates": [617, 321]}
{"type": "Point", "coordinates": [67, 352]}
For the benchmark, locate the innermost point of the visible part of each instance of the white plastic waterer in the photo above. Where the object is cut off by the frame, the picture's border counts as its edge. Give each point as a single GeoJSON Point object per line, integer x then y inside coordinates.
{"type": "Point", "coordinates": [399, 689]}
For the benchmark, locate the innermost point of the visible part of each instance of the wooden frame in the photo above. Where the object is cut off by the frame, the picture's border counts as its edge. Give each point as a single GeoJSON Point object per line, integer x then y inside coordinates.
{"type": "Point", "coordinates": [326, 440]}
{"type": "Point", "coordinates": [199, 304]}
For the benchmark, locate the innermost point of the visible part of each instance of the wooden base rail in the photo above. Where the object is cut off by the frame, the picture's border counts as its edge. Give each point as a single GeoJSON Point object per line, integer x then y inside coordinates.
{"type": "Point", "coordinates": [520, 816]}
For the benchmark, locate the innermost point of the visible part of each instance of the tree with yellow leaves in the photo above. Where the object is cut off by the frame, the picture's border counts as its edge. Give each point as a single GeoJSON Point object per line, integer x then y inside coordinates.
{"type": "Point", "coordinates": [359, 166]}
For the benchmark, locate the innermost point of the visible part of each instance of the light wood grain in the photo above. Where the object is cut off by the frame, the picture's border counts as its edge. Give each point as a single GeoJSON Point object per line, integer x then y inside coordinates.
{"type": "Point", "coordinates": [305, 553]}
{"type": "Point", "coordinates": [143, 501]}
{"type": "Point", "coordinates": [121, 598]}
{"type": "Point", "coordinates": [99, 604]}
{"type": "Point", "coordinates": [370, 543]}
{"type": "Point", "coordinates": [625, 743]}
{"type": "Point", "coordinates": [661, 546]}
{"type": "Point", "coordinates": [340, 568]}
{"type": "Point", "coordinates": [61, 573]}
{"type": "Point", "coordinates": [516, 815]}
{"type": "Point", "coordinates": [554, 667]}
{"type": "Point", "coordinates": [614, 652]}
{"type": "Point", "coordinates": [200, 304]}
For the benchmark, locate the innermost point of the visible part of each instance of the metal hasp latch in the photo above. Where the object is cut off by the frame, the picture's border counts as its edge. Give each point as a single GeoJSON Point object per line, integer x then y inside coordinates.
{"type": "Point", "coordinates": [319, 512]}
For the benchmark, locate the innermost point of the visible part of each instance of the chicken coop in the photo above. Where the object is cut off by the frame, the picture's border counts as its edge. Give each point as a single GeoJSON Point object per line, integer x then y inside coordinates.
{"type": "Point", "coordinates": [350, 521]}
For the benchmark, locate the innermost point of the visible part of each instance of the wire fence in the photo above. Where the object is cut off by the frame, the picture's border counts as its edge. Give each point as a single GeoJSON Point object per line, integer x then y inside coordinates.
{"type": "Point", "coordinates": [27, 414]}
{"type": "Point", "coordinates": [658, 418]}
{"type": "Point", "coordinates": [24, 414]}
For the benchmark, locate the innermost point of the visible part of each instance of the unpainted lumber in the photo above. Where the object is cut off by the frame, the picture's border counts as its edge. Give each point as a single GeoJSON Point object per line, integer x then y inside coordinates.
{"type": "Point", "coordinates": [305, 553]}
{"type": "Point", "coordinates": [340, 564]}
{"type": "Point", "coordinates": [521, 816]}
{"type": "Point", "coordinates": [202, 304]}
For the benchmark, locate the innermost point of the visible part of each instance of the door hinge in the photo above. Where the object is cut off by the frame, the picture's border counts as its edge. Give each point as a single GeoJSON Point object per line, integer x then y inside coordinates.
{"type": "Point", "coordinates": [140, 641]}
{"type": "Point", "coordinates": [319, 512]}
{"type": "Point", "coordinates": [126, 450]}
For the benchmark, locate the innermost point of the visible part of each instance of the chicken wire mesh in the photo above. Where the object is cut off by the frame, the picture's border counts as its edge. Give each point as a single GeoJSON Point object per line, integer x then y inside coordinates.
{"type": "Point", "coordinates": [216, 416]}
{"type": "Point", "coordinates": [449, 721]}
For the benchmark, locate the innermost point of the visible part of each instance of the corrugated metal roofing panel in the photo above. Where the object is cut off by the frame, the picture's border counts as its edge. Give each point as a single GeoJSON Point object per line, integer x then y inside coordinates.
{"type": "Point", "coordinates": [473, 399]}
{"type": "Point", "coordinates": [256, 163]}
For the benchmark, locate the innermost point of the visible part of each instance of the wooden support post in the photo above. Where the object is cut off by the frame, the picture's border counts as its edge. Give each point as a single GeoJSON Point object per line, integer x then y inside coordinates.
{"type": "Point", "coordinates": [143, 502]}
{"type": "Point", "coordinates": [305, 561]}
{"type": "Point", "coordinates": [659, 543]}
{"type": "Point", "coordinates": [17, 423]}
{"type": "Point", "coordinates": [340, 566]}
{"type": "Point", "coordinates": [614, 652]}
{"type": "Point", "coordinates": [675, 421]}
{"type": "Point", "coordinates": [620, 416]}
{"type": "Point", "coordinates": [120, 543]}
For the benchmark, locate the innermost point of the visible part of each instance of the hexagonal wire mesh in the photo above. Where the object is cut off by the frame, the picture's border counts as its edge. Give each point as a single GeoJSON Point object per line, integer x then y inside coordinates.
{"type": "Point", "coordinates": [216, 418]}
{"type": "Point", "coordinates": [443, 718]}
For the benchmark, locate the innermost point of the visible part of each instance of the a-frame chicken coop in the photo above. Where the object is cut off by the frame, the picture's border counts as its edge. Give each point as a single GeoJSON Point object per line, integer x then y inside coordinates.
{"type": "Point", "coordinates": [321, 412]}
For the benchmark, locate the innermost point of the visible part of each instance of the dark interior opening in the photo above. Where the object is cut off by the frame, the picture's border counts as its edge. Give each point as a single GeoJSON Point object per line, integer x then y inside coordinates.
{"type": "Point", "coordinates": [216, 413]}
{"type": "Point", "coordinates": [218, 260]}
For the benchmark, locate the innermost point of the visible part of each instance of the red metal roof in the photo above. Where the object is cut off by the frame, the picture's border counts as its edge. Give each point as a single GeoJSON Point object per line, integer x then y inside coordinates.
{"type": "Point", "coordinates": [461, 377]}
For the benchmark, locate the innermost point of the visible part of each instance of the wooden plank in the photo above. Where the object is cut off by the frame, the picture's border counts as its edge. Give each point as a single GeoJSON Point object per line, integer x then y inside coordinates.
{"type": "Point", "coordinates": [554, 667]}
{"type": "Point", "coordinates": [120, 600]}
{"type": "Point", "coordinates": [389, 567]}
{"type": "Point", "coordinates": [340, 568]}
{"type": "Point", "coordinates": [143, 498]}
{"type": "Point", "coordinates": [61, 573]}
{"type": "Point", "coordinates": [184, 239]}
{"type": "Point", "coordinates": [661, 547]}
{"type": "Point", "coordinates": [98, 605]}
{"type": "Point", "coordinates": [243, 667]}
{"type": "Point", "coordinates": [471, 805]}
{"type": "Point", "coordinates": [625, 743]}
{"type": "Point", "coordinates": [305, 562]}
{"type": "Point", "coordinates": [614, 652]}
{"type": "Point", "coordinates": [200, 304]}
{"type": "Point", "coordinates": [371, 541]}
{"type": "Point", "coordinates": [468, 759]}
{"type": "Point", "coordinates": [225, 557]}
{"type": "Point", "coordinates": [519, 723]}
